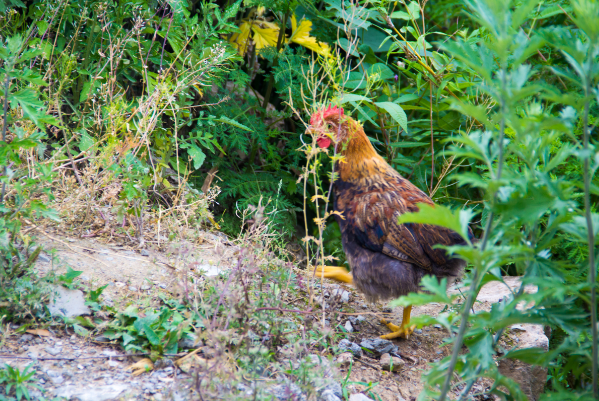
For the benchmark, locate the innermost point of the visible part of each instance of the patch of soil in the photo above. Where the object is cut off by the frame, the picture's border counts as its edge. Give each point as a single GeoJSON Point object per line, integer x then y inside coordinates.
{"type": "Point", "coordinates": [65, 364]}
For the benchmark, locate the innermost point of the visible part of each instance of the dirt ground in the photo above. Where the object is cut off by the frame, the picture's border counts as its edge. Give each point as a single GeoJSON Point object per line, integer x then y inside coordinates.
{"type": "Point", "coordinates": [92, 369]}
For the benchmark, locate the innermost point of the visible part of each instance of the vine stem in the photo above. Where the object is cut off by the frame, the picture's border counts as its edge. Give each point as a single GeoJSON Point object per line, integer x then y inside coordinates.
{"type": "Point", "coordinates": [4, 127]}
{"type": "Point", "coordinates": [457, 345]}
{"type": "Point", "coordinates": [591, 239]}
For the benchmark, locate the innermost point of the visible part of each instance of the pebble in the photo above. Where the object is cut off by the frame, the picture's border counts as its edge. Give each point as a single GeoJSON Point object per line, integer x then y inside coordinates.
{"type": "Point", "coordinates": [378, 346]}
{"type": "Point", "coordinates": [328, 395]}
{"type": "Point", "coordinates": [132, 288]}
{"type": "Point", "coordinates": [348, 346]}
{"type": "Point", "coordinates": [145, 287]}
{"type": "Point", "coordinates": [348, 326]}
{"type": "Point", "coordinates": [418, 331]}
{"type": "Point", "coordinates": [42, 257]}
{"type": "Point", "coordinates": [359, 397]}
{"type": "Point", "coordinates": [345, 359]}
{"type": "Point", "coordinates": [119, 284]}
{"type": "Point", "coordinates": [144, 252]}
{"type": "Point", "coordinates": [391, 363]}
{"type": "Point", "coordinates": [53, 350]}
{"type": "Point", "coordinates": [163, 286]}
{"type": "Point", "coordinates": [25, 337]}
{"type": "Point", "coordinates": [438, 326]}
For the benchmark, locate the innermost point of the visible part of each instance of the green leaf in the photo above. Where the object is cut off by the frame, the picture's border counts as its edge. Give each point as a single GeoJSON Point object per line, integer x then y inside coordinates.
{"type": "Point", "coordinates": [32, 107]}
{"type": "Point", "coordinates": [396, 112]}
{"type": "Point", "coordinates": [197, 155]}
{"type": "Point", "coordinates": [227, 120]}
{"type": "Point", "coordinates": [439, 215]}
{"type": "Point", "coordinates": [150, 334]}
{"type": "Point", "coordinates": [350, 97]}
{"type": "Point", "coordinates": [435, 292]}
{"type": "Point", "coordinates": [408, 144]}
{"type": "Point", "coordinates": [86, 142]}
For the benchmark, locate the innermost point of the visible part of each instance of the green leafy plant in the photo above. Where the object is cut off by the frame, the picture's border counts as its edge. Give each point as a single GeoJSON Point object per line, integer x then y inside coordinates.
{"type": "Point", "coordinates": [18, 381]}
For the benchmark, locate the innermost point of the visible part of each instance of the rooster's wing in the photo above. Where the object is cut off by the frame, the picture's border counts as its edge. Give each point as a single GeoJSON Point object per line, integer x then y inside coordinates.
{"type": "Point", "coordinates": [371, 211]}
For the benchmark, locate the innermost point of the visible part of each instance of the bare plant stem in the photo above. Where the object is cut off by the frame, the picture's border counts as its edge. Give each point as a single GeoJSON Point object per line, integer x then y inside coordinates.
{"type": "Point", "coordinates": [4, 127]}
{"type": "Point", "coordinates": [457, 345]}
{"type": "Point", "coordinates": [591, 243]}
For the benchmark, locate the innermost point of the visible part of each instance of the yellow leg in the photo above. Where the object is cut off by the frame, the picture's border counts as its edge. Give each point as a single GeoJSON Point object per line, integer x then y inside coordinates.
{"type": "Point", "coordinates": [405, 330]}
{"type": "Point", "coordinates": [337, 273]}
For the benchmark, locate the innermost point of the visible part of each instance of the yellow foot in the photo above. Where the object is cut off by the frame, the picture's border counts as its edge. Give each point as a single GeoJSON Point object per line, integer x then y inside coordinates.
{"type": "Point", "coordinates": [397, 331]}
{"type": "Point", "coordinates": [334, 273]}
{"type": "Point", "coordinates": [405, 330]}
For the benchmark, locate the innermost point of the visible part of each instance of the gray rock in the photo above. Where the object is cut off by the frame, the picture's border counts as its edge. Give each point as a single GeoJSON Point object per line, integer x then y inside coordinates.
{"type": "Point", "coordinates": [287, 391]}
{"type": "Point", "coordinates": [25, 338]}
{"type": "Point", "coordinates": [345, 359]}
{"type": "Point", "coordinates": [531, 378]}
{"type": "Point", "coordinates": [328, 395]}
{"type": "Point", "coordinates": [391, 363]}
{"type": "Point", "coordinates": [98, 393]}
{"type": "Point", "coordinates": [378, 346]}
{"type": "Point", "coordinates": [68, 303]}
{"type": "Point", "coordinates": [359, 397]}
{"type": "Point", "coordinates": [335, 389]}
{"type": "Point", "coordinates": [132, 288]}
{"type": "Point", "coordinates": [418, 331]}
{"type": "Point", "coordinates": [209, 270]}
{"type": "Point", "coordinates": [144, 252]}
{"type": "Point", "coordinates": [187, 342]}
{"type": "Point", "coordinates": [42, 257]}
{"type": "Point", "coordinates": [53, 350]}
{"type": "Point", "coordinates": [55, 377]}
{"type": "Point", "coordinates": [145, 287]}
{"type": "Point", "coordinates": [162, 285]}
{"type": "Point", "coordinates": [346, 345]}
{"type": "Point", "coordinates": [348, 326]}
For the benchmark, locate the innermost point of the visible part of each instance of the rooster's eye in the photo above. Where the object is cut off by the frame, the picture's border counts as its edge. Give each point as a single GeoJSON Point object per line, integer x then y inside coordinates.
{"type": "Point", "coordinates": [329, 127]}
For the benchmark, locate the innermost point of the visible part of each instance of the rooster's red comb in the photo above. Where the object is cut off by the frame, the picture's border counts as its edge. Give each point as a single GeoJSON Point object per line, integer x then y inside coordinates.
{"type": "Point", "coordinates": [323, 114]}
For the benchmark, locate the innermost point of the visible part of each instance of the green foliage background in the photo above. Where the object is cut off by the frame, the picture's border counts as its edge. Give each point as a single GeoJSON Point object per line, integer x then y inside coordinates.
{"type": "Point", "coordinates": [439, 85]}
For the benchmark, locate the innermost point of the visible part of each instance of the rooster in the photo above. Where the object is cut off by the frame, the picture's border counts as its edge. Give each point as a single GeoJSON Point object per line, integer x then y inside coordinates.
{"type": "Point", "coordinates": [387, 259]}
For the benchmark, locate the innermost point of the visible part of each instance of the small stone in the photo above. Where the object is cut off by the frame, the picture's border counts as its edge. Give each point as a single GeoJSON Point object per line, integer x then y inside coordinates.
{"type": "Point", "coordinates": [67, 303]}
{"type": "Point", "coordinates": [113, 364]}
{"type": "Point", "coordinates": [132, 288]}
{"type": "Point", "coordinates": [42, 257]}
{"type": "Point", "coordinates": [378, 346]}
{"type": "Point", "coordinates": [328, 395]}
{"type": "Point", "coordinates": [345, 359]}
{"type": "Point", "coordinates": [418, 331]}
{"type": "Point", "coordinates": [348, 326]}
{"type": "Point", "coordinates": [438, 326]}
{"type": "Point", "coordinates": [346, 345]}
{"type": "Point", "coordinates": [119, 284]}
{"type": "Point", "coordinates": [359, 397]}
{"type": "Point", "coordinates": [162, 285]}
{"type": "Point", "coordinates": [145, 287]}
{"type": "Point", "coordinates": [53, 350]}
{"type": "Point", "coordinates": [25, 338]}
{"type": "Point", "coordinates": [391, 363]}
{"type": "Point", "coordinates": [144, 252]}
{"type": "Point", "coordinates": [80, 367]}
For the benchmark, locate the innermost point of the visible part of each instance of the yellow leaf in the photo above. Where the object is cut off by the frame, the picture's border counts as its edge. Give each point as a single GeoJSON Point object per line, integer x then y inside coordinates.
{"type": "Point", "coordinates": [240, 40]}
{"type": "Point", "coordinates": [301, 35]}
{"type": "Point", "coordinates": [264, 37]}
